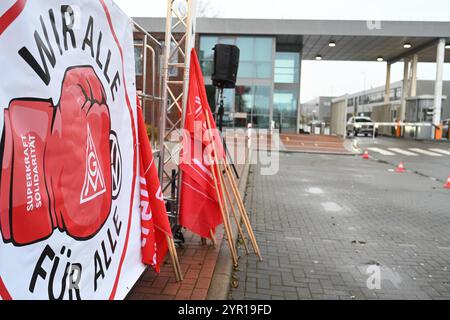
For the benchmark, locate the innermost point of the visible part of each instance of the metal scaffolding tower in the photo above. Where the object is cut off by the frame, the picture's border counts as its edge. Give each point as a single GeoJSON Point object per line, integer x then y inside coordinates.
{"type": "Point", "coordinates": [180, 20]}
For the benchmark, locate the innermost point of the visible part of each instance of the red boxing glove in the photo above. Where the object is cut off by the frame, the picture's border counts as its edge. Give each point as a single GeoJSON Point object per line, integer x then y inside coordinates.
{"type": "Point", "coordinates": [56, 168]}
{"type": "Point", "coordinates": [80, 161]}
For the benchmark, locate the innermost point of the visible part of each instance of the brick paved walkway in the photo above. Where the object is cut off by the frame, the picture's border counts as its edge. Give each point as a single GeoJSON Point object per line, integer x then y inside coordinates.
{"type": "Point", "coordinates": [323, 220]}
{"type": "Point", "coordinates": [197, 262]}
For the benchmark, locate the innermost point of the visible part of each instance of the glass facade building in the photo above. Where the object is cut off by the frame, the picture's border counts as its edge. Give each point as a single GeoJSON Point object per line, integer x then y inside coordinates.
{"type": "Point", "coordinates": [268, 82]}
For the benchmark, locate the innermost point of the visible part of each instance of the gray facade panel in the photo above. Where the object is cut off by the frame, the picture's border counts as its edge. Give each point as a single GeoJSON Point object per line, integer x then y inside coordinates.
{"type": "Point", "coordinates": [308, 27]}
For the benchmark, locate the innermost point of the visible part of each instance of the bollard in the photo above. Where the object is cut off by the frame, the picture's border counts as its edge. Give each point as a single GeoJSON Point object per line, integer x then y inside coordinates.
{"type": "Point", "coordinates": [438, 132]}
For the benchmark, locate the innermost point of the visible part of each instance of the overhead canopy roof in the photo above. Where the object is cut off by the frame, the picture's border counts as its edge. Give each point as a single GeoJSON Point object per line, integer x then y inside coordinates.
{"type": "Point", "coordinates": [355, 40]}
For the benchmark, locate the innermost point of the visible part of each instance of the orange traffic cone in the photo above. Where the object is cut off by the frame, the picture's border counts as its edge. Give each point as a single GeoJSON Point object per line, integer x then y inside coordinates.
{"type": "Point", "coordinates": [366, 154]}
{"type": "Point", "coordinates": [400, 168]}
{"type": "Point", "coordinates": [447, 185]}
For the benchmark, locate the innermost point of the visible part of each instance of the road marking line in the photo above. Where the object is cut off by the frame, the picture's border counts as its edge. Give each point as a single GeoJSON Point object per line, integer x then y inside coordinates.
{"type": "Point", "coordinates": [331, 206]}
{"type": "Point", "coordinates": [440, 151]}
{"type": "Point", "coordinates": [404, 152]}
{"type": "Point", "coordinates": [314, 190]}
{"type": "Point", "coordinates": [329, 241]}
{"type": "Point", "coordinates": [383, 152]}
{"type": "Point", "coordinates": [294, 238]}
{"type": "Point", "coordinates": [425, 152]}
{"type": "Point", "coordinates": [407, 245]}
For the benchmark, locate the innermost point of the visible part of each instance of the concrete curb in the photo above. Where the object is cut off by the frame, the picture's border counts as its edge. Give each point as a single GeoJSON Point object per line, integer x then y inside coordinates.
{"type": "Point", "coordinates": [221, 279]}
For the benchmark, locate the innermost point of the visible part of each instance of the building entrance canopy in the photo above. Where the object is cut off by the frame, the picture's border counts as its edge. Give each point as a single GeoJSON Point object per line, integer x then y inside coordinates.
{"type": "Point", "coordinates": [341, 40]}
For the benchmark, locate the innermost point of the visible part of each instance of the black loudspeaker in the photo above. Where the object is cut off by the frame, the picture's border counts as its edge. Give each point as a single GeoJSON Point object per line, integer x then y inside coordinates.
{"type": "Point", "coordinates": [226, 63]}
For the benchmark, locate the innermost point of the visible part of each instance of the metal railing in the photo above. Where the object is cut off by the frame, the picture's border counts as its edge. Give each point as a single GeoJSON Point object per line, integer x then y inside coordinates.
{"type": "Point", "coordinates": [152, 97]}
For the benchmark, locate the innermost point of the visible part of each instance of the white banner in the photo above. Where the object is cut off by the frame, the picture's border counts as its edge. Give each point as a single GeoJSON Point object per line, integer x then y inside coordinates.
{"type": "Point", "coordinates": [69, 200]}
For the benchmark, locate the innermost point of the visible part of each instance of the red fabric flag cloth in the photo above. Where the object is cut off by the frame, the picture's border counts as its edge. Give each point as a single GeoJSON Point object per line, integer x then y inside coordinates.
{"type": "Point", "coordinates": [148, 243]}
{"type": "Point", "coordinates": [155, 214]}
{"type": "Point", "coordinates": [199, 206]}
{"type": "Point", "coordinates": [198, 109]}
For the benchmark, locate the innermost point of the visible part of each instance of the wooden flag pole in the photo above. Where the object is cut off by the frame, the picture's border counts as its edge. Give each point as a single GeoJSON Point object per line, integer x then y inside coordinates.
{"type": "Point", "coordinates": [225, 216]}
{"type": "Point", "coordinates": [241, 232]}
{"type": "Point", "coordinates": [213, 238]}
{"type": "Point", "coordinates": [177, 262]}
{"type": "Point", "coordinates": [180, 272]}
{"type": "Point", "coordinates": [243, 211]}
{"type": "Point", "coordinates": [241, 208]}
{"type": "Point", "coordinates": [236, 193]}
{"type": "Point", "coordinates": [178, 276]}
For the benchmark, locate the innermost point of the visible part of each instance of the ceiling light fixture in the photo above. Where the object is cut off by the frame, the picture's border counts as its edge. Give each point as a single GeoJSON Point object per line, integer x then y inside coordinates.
{"type": "Point", "coordinates": [407, 45]}
{"type": "Point", "coordinates": [332, 44]}
{"type": "Point", "coordinates": [319, 57]}
{"type": "Point", "coordinates": [380, 59]}
{"type": "Point", "coordinates": [447, 46]}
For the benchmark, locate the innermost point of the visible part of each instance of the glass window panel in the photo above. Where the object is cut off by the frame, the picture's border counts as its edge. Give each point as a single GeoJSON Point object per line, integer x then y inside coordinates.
{"type": "Point", "coordinates": [263, 49]}
{"type": "Point", "coordinates": [228, 100]}
{"type": "Point", "coordinates": [284, 71]}
{"type": "Point", "coordinates": [287, 59]}
{"type": "Point", "coordinates": [227, 40]}
{"type": "Point", "coordinates": [283, 75]}
{"type": "Point", "coordinates": [262, 99]}
{"type": "Point", "coordinates": [282, 63]}
{"type": "Point", "coordinates": [285, 78]}
{"type": "Point", "coordinates": [246, 47]}
{"type": "Point", "coordinates": [255, 101]}
{"type": "Point", "coordinates": [285, 109]}
{"type": "Point", "coordinates": [259, 120]}
{"type": "Point", "coordinates": [246, 70]}
{"type": "Point", "coordinates": [211, 93]}
{"type": "Point", "coordinates": [228, 95]}
{"type": "Point", "coordinates": [243, 99]}
{"type": "Point", "coordinates": [260, 114]}
{"type": "Point", "coordinates": [207, 68]}
{"type": "Point", "coordinates": [207, 44]}
{"type": "Point", "coordinates": [287, 67]}
{"type": "Point", "coordinates": [255, 55]}
{"type": "Point", "coordinates": [285, 102]}
{"type": "Point", "coordinates": [263, 70]}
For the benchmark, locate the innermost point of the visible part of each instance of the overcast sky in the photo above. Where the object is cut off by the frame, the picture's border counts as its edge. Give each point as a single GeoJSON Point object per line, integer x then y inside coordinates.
{"type": "Point", "coordinates": [324, 78]}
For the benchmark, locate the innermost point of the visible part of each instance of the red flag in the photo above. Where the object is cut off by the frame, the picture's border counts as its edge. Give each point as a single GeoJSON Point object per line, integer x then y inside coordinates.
{"type": "Point", "coordinates": [199, 206]}
{"type": "Point", "coordinates": [148, 243]}
{"type": "Point", "coordinates": [154, 241]}
{"type": "Point", "coordinates": [198, 110]}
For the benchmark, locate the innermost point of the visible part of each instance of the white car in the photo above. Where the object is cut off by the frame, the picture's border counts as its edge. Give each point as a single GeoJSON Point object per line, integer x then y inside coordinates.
{"type": "Point", "coordinates": [360, 125]}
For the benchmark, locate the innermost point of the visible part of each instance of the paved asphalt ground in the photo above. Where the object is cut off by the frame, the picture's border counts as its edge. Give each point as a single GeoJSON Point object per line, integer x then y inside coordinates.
{"type": "Point", "coordinates": [425, 157]}
{"type": "Point", "coordinates": [328, 224]}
